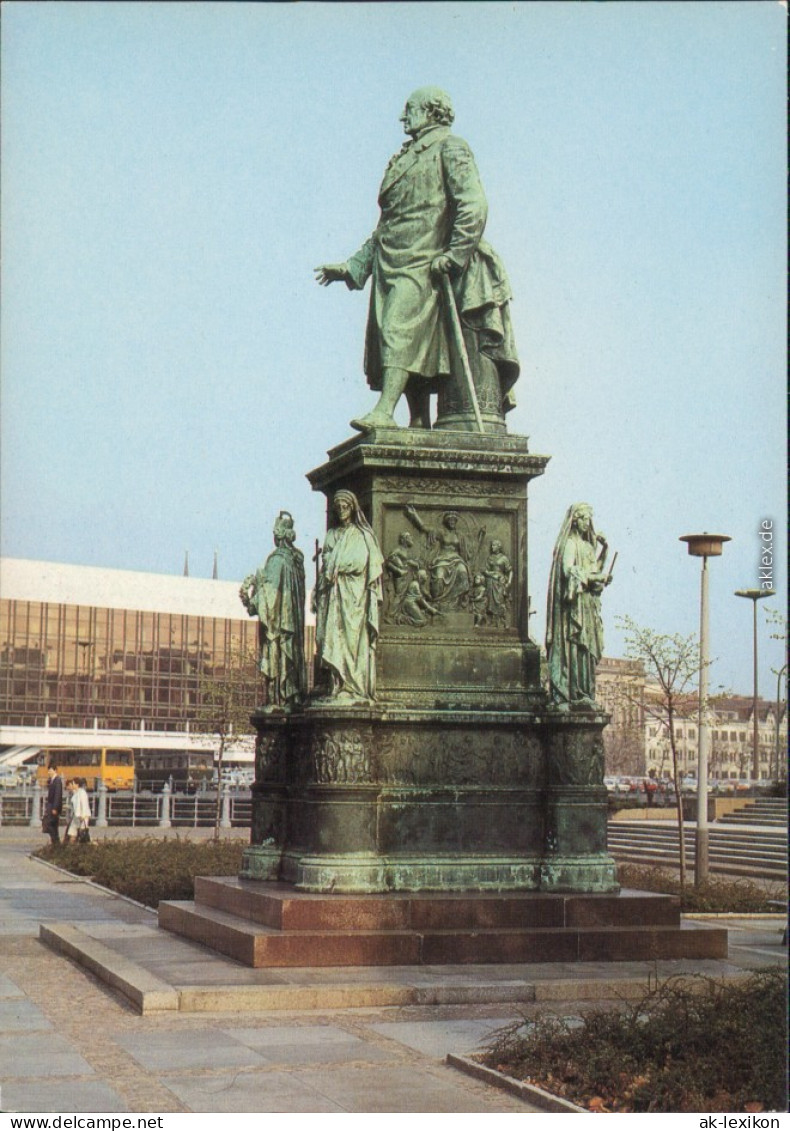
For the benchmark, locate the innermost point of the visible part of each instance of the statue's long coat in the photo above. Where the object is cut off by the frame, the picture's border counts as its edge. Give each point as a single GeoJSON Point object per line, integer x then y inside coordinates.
{"type": "Point", "coordinates": [432, 203]}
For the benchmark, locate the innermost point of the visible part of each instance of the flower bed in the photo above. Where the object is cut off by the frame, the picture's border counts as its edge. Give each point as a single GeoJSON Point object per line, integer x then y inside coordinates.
{"type": "Point", "coordinates": [717, 894]}
{"type": "Point", "coordinates": [708, 1046]}
{"type": "Point", "coordinates": [149, 869]}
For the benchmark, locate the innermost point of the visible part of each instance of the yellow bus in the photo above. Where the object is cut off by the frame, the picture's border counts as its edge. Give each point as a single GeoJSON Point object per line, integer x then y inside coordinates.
{"type": "Point", "coordinates": [112, 765]}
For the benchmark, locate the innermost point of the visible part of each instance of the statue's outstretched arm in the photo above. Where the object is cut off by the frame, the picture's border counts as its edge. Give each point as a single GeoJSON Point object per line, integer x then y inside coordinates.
{"type": "Point", "coordinates": [415, 519]}
{"type": "Point", "coordinates": [328, 273]}
{"type": "Point", "coordinates": [360, 266]}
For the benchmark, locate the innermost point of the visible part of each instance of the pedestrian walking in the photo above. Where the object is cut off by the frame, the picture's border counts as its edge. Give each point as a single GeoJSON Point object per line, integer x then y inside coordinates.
{"type": "Point", "coordinates": [53, 806]}
{"type": "Point", "coordinates": [79, 812]}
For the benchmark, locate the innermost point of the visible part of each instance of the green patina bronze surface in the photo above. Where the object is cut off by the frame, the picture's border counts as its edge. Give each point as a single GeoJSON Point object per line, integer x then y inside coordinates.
{"type": "Point", "coordinates": [455, 773]}
{"type": "Point", "coordinates": [574, 629]}
{"type": "Point", "coordinates": [347, 598]}
{"type": "Point", "coordinates": [430, 758]}
{"type": "Point", "coordinates": [433, 215]}
{"type": "Point", "coordinates": [276, 595]}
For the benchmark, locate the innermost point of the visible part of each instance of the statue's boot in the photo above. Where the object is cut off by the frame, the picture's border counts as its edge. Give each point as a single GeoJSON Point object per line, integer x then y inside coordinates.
{"type": "Point", "coordinates": [393, 383]}
{"type": "Point", "coordinates": [373, 420]}
{"type": "Point", "coordinates": [419, 402]}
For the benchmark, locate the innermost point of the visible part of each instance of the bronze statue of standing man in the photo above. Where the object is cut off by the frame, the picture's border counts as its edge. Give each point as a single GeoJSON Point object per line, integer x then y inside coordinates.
{"type": "Point", "coordinates": [433, 214]}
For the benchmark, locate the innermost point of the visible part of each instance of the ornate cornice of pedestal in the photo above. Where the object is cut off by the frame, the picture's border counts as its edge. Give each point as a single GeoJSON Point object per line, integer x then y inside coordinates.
{"type": "Point", "coordinates": [430, 452]}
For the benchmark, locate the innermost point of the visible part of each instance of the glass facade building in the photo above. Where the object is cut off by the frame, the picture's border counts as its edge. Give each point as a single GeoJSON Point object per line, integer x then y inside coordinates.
{"type": "Point", "coordinates": [82, 647]}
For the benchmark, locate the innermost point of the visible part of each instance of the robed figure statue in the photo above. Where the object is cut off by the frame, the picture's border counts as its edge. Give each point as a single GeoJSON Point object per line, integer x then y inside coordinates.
{"type": "Point", "coordinates": [433, 215]}
{"type": "Point", "coordinates": [347, 597]}
{"type": "Point", "coordinates": [276, 595]}
{"type": "Point", "coordinates": [574, 630]}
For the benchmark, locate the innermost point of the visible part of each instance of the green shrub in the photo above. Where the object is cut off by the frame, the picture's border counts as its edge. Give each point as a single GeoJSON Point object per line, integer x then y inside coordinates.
{"type": "Point", "coordinates": [717, 894]}
{"type": "Point", "coordinates": [149, 869]}
{"type": "Point", "coordinates": [708, 1046]}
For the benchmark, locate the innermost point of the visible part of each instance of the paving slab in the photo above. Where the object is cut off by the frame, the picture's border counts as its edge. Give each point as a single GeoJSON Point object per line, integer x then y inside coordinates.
{"type": "Point", "coordinates": [314, 1045]}
{"type": "Point", "coordinates": [41, 1055]}
{"type": "Point", "coordinates": [249, 1092]}
{"type": "Point", "coordinates": [9, 989]}
{"type": "Point", "coordinates": [20, 1016]}
{"type": "Point", "coordinates": [206, 1048]}
{"type": "Point", "coordinates": [63, 1096]}
{"type": "Point", "coordinates": [401, 1089]}
{"type": "Point", "coordinates": [437, 1038]}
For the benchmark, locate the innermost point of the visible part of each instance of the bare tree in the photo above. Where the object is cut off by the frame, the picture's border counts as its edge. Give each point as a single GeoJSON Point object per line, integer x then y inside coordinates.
{"type": "Point", "coordinates": [672, 664]}
{"type": "Point", "coordinates": [624, 749]}
{"type": "Point", "coordinates": [227, 696]}
{"type": "Point", "coordinates": [779, 622]}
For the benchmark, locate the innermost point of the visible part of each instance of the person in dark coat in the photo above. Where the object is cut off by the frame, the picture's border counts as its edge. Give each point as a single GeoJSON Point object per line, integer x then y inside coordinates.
{"type": "Point", "coordinates": [54, 805]}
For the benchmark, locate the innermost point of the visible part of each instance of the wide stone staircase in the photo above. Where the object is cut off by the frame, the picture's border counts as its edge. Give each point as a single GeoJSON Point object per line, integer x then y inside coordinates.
{"type": "Point", "coordinates": [753, 844]}
{"type": "Point", "coordinates": [769, 811]}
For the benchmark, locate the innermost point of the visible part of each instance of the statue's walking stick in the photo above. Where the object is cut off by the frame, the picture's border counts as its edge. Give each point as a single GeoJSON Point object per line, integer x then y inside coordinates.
{"type": "Point", "coordinates": [458, 339]}
{"type": "Point", "coordinates": [317, 560]}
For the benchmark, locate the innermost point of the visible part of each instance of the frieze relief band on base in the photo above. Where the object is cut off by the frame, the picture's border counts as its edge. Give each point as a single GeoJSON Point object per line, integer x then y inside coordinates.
{"type": "Point", "coordinates": [398, 756]}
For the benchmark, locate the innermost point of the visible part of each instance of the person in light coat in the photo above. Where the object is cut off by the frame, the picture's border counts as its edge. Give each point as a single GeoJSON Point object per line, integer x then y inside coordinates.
{"type": "Point", "coordinates": [80, 809]}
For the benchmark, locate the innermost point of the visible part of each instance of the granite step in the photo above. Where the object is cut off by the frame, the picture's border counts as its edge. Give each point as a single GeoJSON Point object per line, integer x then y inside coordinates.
{"type": "Point", "coordinates": [259, 945]}
{"type": "Point", "coordinates": [281, 907]}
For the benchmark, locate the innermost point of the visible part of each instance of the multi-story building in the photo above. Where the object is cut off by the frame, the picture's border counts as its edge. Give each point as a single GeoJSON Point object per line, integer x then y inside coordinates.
{"type": "Point", "coordinates": [732, 740]}
{"type": "Point", "coordinates": [620, 688]}
{"type": "Point", "coordinates": [112, 653]}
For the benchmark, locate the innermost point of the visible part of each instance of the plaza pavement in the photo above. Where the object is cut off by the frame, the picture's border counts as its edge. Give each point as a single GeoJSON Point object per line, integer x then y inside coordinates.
{"type": "Point", "coordinates": [71, 1044]}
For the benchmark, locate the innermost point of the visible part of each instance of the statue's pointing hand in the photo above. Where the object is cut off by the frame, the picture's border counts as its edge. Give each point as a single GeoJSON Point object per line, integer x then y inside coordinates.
{"type": "Point", "coordinates": [330, 273]}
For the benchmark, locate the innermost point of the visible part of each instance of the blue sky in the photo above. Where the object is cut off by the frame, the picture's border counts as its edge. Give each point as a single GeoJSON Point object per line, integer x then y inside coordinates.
{"type": "Point", "coordinates": [173, 172]}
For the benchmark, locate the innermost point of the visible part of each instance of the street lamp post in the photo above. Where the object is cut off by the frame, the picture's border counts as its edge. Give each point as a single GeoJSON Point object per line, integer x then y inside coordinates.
{"type": "Point", "coordinates": [703, 546]}
{"type": "Point", "coordinates": [754, 596]}
{"type": "Point", "coordinates": [777, 744]}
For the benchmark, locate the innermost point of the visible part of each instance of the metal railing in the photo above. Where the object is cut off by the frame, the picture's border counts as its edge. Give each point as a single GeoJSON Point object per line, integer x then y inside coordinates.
{"type": "Point", "coordinates": [167, 809]}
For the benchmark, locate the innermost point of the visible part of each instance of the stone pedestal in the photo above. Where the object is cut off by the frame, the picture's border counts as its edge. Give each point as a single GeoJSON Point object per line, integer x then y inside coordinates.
{"type": "Point", "coordinates": [459, 818]}
{"type": "Point", "coordinates": [273, 925]}
{"type": "Point", "coordinates": [391, 800]}
{"type": "Point", "coordinates": [452, 494]}
{"type": "Point", "coordinates": [459, 777]}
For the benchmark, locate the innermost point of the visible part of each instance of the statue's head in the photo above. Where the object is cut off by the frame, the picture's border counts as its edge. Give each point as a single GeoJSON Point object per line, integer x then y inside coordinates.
{"type": "Point", "coordinates": [450, 520]}
{"type": "Point", "coordinates": [428, 106]}
{"type": "Point", "coordinates": [284, 528]}
{"type": "Point", "coordinates": [406, 540]}
{"type": "Point", "coordinates": [582, 518]}
{"type": "Point", "coordinates": [496, 546]}
{"type": "Point", "coordinates": [345, 506]}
